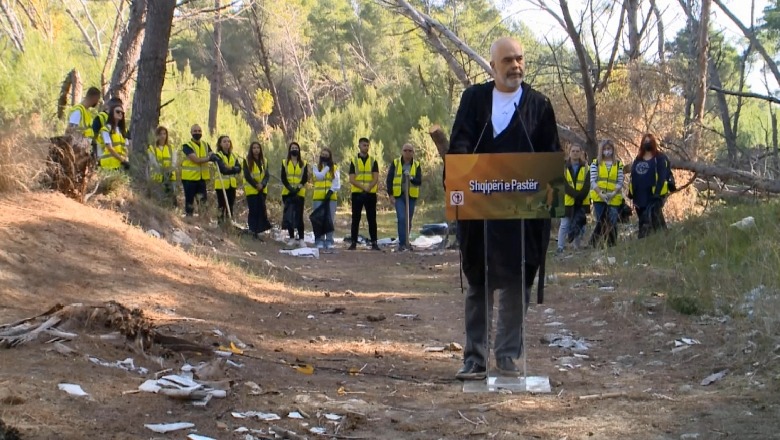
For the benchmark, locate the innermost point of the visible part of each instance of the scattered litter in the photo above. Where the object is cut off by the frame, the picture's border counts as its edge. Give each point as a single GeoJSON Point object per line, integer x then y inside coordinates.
{"type": "Point", "coordinates": [153, 233]}
{"type": "Point", "coordinates": [318, 430]}
{"type": "Point", "coordinates": [745, 224]}
{"type": "Point", "coordinates": [431, 229]}
{"type": "Point", "coordinates": [609, 261]}
{"type": "Point", "coordinates": [294, 415]}
{"type": "Point", "coordinates": [554, 324]}
{"type": "Point", "coordinates": [181, 238]}
{"type": "Point", "coordinates": [267, 417]}
{"type": "Point", "coordinates": [564, 341]}
{"type": "Point", "coordinates": [685, 341]}
{"type": "Point", "coordinates": [199, 437]}
{"type": "Point", "coordinates": [307, 252]}
{"type": "Point", "coordinates": [607, 289]}
{"type": "Point", "coordinates": [407, 316]}
{"type": "Point", "coordinates": [386, 241]}
{"type": "Point", "coordinates": [183, 388]}
{"type": "Point", "coordinates": [234, 364]}
{"type": "Point", "coordinates": [676, 350]}
{"type": "Point", "coordinates": [72, 389]}
{"type": "Point", "coordinates": [549, 311]}
{"type": "Point", "coordinates": [423, 242]}
{"type": "Point", "coordinates": [333, 417]}
{"type": "Point", "coordinates": [310, 317]}
{"type": "Point", "coordinates": [712, 378]}
{"type": "Point", "coordinates": [127, 365]}
{"type": "Point", "coordinates": [162, 428]}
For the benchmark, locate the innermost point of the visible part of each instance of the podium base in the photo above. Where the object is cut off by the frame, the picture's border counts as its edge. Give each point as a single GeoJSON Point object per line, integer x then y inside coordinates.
{"type": "Point", "coordinates": [494, 384]}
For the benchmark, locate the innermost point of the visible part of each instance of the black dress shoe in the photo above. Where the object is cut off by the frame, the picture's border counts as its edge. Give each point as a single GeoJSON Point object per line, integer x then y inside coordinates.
{"type": "Point", "coordinates": [505, 366]}
{"type": "Point", "coordinates": [471, 371]}
{"type": "Point", "coordinates": [375, 247]}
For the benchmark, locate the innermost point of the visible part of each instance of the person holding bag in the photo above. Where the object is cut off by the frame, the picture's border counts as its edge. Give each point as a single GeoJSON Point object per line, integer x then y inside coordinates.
{"type": "Point", "coordinates": [294, 176]}
{"type": "Point", "coordinates": [327, 183]}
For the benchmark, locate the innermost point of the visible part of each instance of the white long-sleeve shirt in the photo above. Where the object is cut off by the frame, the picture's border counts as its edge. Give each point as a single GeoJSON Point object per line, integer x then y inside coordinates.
{"type": "Point", "coordinates": [335, 185]}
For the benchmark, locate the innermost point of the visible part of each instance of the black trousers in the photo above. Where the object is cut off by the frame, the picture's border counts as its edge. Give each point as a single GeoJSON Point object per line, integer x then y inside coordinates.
{"type": "Point", "coordinates": [258, 216]}
{"type": "Point", "coordinates": [231, 200]}
{"type": "Point", "coordinates": [367, 200]}
{"type": "Point", "coordinates": [651, 218]}
{"type": "Point", "coordinates": [193, 188]}
{"type": "Point", "coordinates": [297, 203]}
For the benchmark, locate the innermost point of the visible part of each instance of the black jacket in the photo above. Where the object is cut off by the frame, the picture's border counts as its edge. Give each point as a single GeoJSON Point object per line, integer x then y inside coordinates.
{"type": "Point", "coordinates": [532, 129]}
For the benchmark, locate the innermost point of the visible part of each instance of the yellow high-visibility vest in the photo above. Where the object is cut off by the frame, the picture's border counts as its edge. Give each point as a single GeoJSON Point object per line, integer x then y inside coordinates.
{"type": "Point", "coordinates": [258, 174]}
{"type": "Point", "coordinates": [196, 171]}
{"type": "Point", "coordinates": [107, 161]}
{"type": "Point", "coordinates": [227, 181]}
{"type": "Point", "coordinates": [321, 187]}
{"type": "Point", "coordinates": [164, 156]}
{"type": "Point", "coordinates": [294, 176]}
{"type": "Point", "coordinates": [85, 123]}
{"type": "Point", "coordinates": [582, 176]}
{"type": "Point", "coordinates": [414, 191]}
{"type": "Point", "coordinates": [363, 173]}
{"type": "Point", "coordinates": [607, 181]}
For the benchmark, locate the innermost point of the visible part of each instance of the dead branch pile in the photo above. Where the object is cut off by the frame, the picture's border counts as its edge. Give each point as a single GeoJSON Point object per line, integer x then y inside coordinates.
{"type": "Point", "coordinates": [57, 323]}
{"type": "Point", "coordinates": [70, 165]}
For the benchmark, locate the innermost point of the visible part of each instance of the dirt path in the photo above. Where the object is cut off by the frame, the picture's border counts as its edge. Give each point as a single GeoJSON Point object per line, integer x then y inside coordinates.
{"type": "Point", "coordinates": [53, 250]}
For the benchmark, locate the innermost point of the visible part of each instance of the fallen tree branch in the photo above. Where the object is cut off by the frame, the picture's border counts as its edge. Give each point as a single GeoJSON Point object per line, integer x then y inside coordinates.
{"type": "Point", "coordinates": [729, 174]}
{"type": "Point", "coordinates": [603, 396]}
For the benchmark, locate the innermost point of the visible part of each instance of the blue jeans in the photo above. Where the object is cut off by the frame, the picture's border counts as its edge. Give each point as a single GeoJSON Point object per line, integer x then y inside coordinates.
{"type": "Point", "coordinates": [326, 239]}
{"type": "Point", "coordinates": [400, 215]}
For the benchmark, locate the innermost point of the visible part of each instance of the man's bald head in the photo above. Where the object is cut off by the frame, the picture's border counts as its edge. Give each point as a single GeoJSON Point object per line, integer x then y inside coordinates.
{"type": "Point", "coordinates": [507, 59]}
{"type": "Point", "coordinates": [195, 128]}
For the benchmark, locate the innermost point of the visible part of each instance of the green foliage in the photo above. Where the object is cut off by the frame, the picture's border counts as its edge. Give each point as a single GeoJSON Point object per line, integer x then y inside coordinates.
{"type": "Point", "coordinates": [706, 266]}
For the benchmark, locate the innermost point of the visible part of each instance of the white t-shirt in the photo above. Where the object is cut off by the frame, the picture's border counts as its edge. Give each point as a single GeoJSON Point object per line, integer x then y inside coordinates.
{"type": "Point", "coordinates": [504, 108]}
{"type": "Point", "coordinates": [74, 118]}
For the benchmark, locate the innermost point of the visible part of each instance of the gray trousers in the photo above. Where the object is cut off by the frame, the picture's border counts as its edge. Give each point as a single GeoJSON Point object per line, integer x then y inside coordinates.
{"type": "Point", "coordinates": [508, 338]}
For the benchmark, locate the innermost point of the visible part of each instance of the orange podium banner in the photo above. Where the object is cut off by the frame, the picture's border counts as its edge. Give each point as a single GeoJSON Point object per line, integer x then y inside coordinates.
{"type": "Point", "coordinates": [500, 186]}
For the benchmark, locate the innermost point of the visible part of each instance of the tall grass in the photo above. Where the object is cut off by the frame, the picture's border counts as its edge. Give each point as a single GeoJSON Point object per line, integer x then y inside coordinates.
{"type": "Point", "coordinates": [705, 266]}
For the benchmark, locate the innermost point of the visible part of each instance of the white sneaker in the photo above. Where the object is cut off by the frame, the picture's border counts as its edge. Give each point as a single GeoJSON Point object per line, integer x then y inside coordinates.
{"type": "Point", "coordinates": [292, 242]}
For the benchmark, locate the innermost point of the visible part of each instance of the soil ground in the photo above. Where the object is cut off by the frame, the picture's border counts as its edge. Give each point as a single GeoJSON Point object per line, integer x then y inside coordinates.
{"type": "Point", "coordinates": [53, 250]}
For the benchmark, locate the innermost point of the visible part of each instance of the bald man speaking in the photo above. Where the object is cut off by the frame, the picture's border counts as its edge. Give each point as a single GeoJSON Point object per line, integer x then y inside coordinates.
{"type": "Point", "coordinates": [195, 171]}
{"type": "Point", "coordinates": [505, 115]}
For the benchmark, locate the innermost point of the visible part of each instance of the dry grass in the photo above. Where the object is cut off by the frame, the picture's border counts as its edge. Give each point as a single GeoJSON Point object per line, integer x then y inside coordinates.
{"type": "Point", "coordinates": [22, 156]}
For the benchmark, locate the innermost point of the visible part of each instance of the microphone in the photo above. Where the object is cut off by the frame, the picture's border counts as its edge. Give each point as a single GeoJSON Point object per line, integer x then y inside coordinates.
{"type": "Point", "coordinates": [482, 133]}
{"type": "Point", "coordinates": [522, 125]}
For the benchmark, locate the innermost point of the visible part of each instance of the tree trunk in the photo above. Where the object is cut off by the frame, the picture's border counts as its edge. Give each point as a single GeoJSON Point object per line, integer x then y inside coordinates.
{"type": "Point", "coordinates": [129, 52]}
{"type": "Point", "coordinates": [632, 17]}
{"type": "Point", "coordinates": [702, 57]}
{"type": "Point", "coordinates": [70, 86]}
{"type": "Point", "coordinates": [14, 28]}
{"type": "Point", "coordinates": [216, 76]}
{"type": "Point", "coordinates": [151, 75]}
{"type": "Point", "coordinates": [729, 174]}
{"type": "Point", "coordinates": [725, 114]}
{"type": "Point", "coordinates": [774, 139]}
{"type": "Point", "coordinates": [587, 82]}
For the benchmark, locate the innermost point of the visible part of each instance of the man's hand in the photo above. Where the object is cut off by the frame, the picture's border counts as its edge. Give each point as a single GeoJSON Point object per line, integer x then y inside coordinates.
{"type": "Point", "coordinates": [259, 186]}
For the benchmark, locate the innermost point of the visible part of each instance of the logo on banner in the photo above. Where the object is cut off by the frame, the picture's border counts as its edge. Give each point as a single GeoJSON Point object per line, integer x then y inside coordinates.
{"type": "Point", "coordinates": [456, 198]}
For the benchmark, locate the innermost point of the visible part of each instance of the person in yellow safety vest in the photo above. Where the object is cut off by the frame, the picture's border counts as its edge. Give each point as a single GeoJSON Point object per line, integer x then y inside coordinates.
{"type": "Point", "coordinates": [576, 200]}
{"type": "Point", "coordinates": [97, 125]}
{"type": "Point", "coordinates": [195, 170]}
{"type": "Point", "coordinates": [606, 182]}
{"type": "Point", "coordinates": [294, 176]}
{"type": "Point", "coordinates": [648, 188]}
{"type": "Point", "coordinates": [256, 189]}
{"type": "Point", "coordinates": [163, 158]}
{"type": "Point", "coordinates": [81, 115]}
{"type": "Point", "coordinates": [113, 140]}
{"type": "Point", "coordinates": [326, 179]}
{"type": "Point", "coordinates": [404, 177]}
{"type": "Point", "coordinates": [364, 177]}
{"type": "Point", "coordinates": [226, 181]}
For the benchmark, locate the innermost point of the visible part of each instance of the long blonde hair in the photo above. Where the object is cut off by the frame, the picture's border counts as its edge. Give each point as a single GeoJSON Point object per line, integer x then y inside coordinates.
{"type": "Point", "coordinates": [603, 144]}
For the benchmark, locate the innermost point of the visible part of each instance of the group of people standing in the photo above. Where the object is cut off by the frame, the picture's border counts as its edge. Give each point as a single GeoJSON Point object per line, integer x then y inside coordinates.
{"type": "Point", "coordinates": [195, 164]}
{"type": "Point", "coordinates": [600, 185]}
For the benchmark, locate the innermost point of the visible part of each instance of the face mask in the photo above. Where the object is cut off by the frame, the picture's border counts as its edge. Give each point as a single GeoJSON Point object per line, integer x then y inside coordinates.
{"type": "Point", "coordinates": [294, 153]}
{"type": "Point", "coordinates": [324, 159]}
{"type": "Point", "coordinates": [647, 146]}
{"type": "Point", "coordinates": [197, 136]}
{"type": "Point", "coordinates": [608, 153]}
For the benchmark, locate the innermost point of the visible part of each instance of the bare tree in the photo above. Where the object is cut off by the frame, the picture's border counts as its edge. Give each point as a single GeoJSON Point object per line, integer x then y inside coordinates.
{"type": "Point", "coordinates": [216, 74]}
{"type": "Point", "coordinates": [702, 61]}
{"type": "Point", "coordinates": [11, 25]}
{"type": "Point", "coordinates": [129, 52]}
{"type": "Point", "coordinates": [259, 22]}
{"type": "Point", "coordinates": [150, 78]}
{"type": "Point", "coordinates": [112, 46]}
